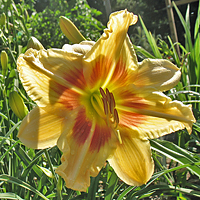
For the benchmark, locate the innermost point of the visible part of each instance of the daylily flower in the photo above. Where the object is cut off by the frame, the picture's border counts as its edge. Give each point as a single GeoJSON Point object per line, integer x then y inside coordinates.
{"type": "Point", "coordinates": [98, 103]}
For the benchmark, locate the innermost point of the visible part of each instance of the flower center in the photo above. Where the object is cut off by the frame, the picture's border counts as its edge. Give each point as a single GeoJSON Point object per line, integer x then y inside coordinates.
{"type": "Point", "coordinates": [109, 106]}
{"type": "Point", "coordinates": [104, 106]}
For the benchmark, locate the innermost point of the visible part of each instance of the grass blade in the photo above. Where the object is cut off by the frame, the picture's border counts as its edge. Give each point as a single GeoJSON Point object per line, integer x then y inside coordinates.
{"type": "Point", "coordinates": [20, 183]}
{"type": "Point", "coordinates": [176, 153]}
{"type": "Point", "coordinates": [10, 196]}
{"type": "Point", "coordinates": [151, 40]}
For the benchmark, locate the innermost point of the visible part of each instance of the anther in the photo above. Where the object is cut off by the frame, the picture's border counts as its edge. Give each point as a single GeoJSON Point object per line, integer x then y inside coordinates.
{"type": "Point", "coordinates": [112, 103]}
{"type": "Point", "coordinates": [105, 105]}
{"type": "Point", "coordinates": [108, 95]}
{"type": "Point", "coordinates": [102, 93]}
{"type": "Point", "coordinates": [109, 106]}
{"type": "Point", "coordinates": [116, 117]}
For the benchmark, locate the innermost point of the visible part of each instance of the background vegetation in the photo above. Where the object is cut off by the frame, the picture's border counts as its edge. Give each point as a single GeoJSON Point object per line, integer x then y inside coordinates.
{"type": "Point", "coordinates": [29, 174]}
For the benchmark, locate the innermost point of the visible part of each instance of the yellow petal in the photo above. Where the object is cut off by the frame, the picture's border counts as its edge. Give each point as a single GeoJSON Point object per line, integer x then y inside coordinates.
{"type": "Point", "coordinates": [46, 74]}
{"type": "Point", "coordinates": [86, 144]}
{"type": "Point", "coordinates": [154, 114]}
{"type": "Point", "coordinates": [177, 115]}
{"type": "Point", "coordinates": [126, 67]}
{"type": "Point", "coordinates": [132, 160]}
{"type": "Point", "coordinates": [82, 48]}
{"type": "Point", "coordinates": [42, 127]}
{"type": "Point", "coordinates": [100, 62]}
{"type": "Point", "coordinates": [159, 74]}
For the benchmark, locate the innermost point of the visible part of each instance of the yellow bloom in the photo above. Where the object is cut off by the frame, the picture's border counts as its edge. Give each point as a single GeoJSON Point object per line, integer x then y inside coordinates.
{"type": "Point", "coordinates": [97, 103]}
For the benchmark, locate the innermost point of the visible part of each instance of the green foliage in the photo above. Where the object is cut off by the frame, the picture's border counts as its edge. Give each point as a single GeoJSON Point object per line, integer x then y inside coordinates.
{"type": "Point", "coordinates": [29, 174]}
{"type": "Point", "coordinates": [45, 26]}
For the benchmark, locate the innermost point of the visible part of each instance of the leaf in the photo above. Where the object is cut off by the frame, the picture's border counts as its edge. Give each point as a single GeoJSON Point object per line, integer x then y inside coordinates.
{"type": "Point", "coordinates": [8, 151]}
{"type": "Point", "coordinates": [164, 188]}
{"type": "Point", "coordinates": [175, 55]}
{"type": "Point", "coordinates": [196, 126]}
{"type": "Point", "coordinates": [163, 172]}
{"type": "Point", "coordinates": [10, 196]}
{"type": "Point", "coordinates": [93, 187]}
{"type": "Point", "coordinates": [125, 192]}
{"type": "Point", "coordinates": [186, 28]}
{"type": "Point", "coordinates": [46, 171]}
{"type": "Point", "coordinates": [10, 179]}
{"type": "Point", "coordinates": [23, 156]}
{"type": "Point", "coordinates": [143, 51]}
{"type": "Point", "coordinates": [111, 186]}
{"type": "Point", "coordinates": [176, 153]}
{"type": "Point", "coordinates": [151, 40]}
{"type": "Point", "coordinates": [32, 163]}
{"type": "Point", "coordinates": [9, 133]}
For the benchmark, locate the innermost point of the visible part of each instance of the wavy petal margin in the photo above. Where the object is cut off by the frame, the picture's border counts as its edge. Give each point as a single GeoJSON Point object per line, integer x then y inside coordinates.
{"type": "Point", "coordinates": [46, 74]}
{"type": "Point", "coordinates": [152, 115]}
{"type": "Point", "coordinates": [86, 145]}
{"type": "Point", "coordinates": [101, 61]}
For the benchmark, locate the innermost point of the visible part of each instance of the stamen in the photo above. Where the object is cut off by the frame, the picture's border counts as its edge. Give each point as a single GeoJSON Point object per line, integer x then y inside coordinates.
{"type": "Point", "coordinates": [112, 99]}
{"type": "Point", "coordinates": [110, 111]}
{"type": "Point", "coordinates": [116, 116]}
{"type": "Point", "coordinates": [112, 103]}
{"type": "Point", "coordinates": [103, 94]}
{"type": "Point", "coordinates": [109, 107]}
{"type": "Point", "coordinates": [108, 95]}
{"type": "Point", "coordinates": [119, 137]}
{"type": "Point", "coordinates": [105, 104]}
